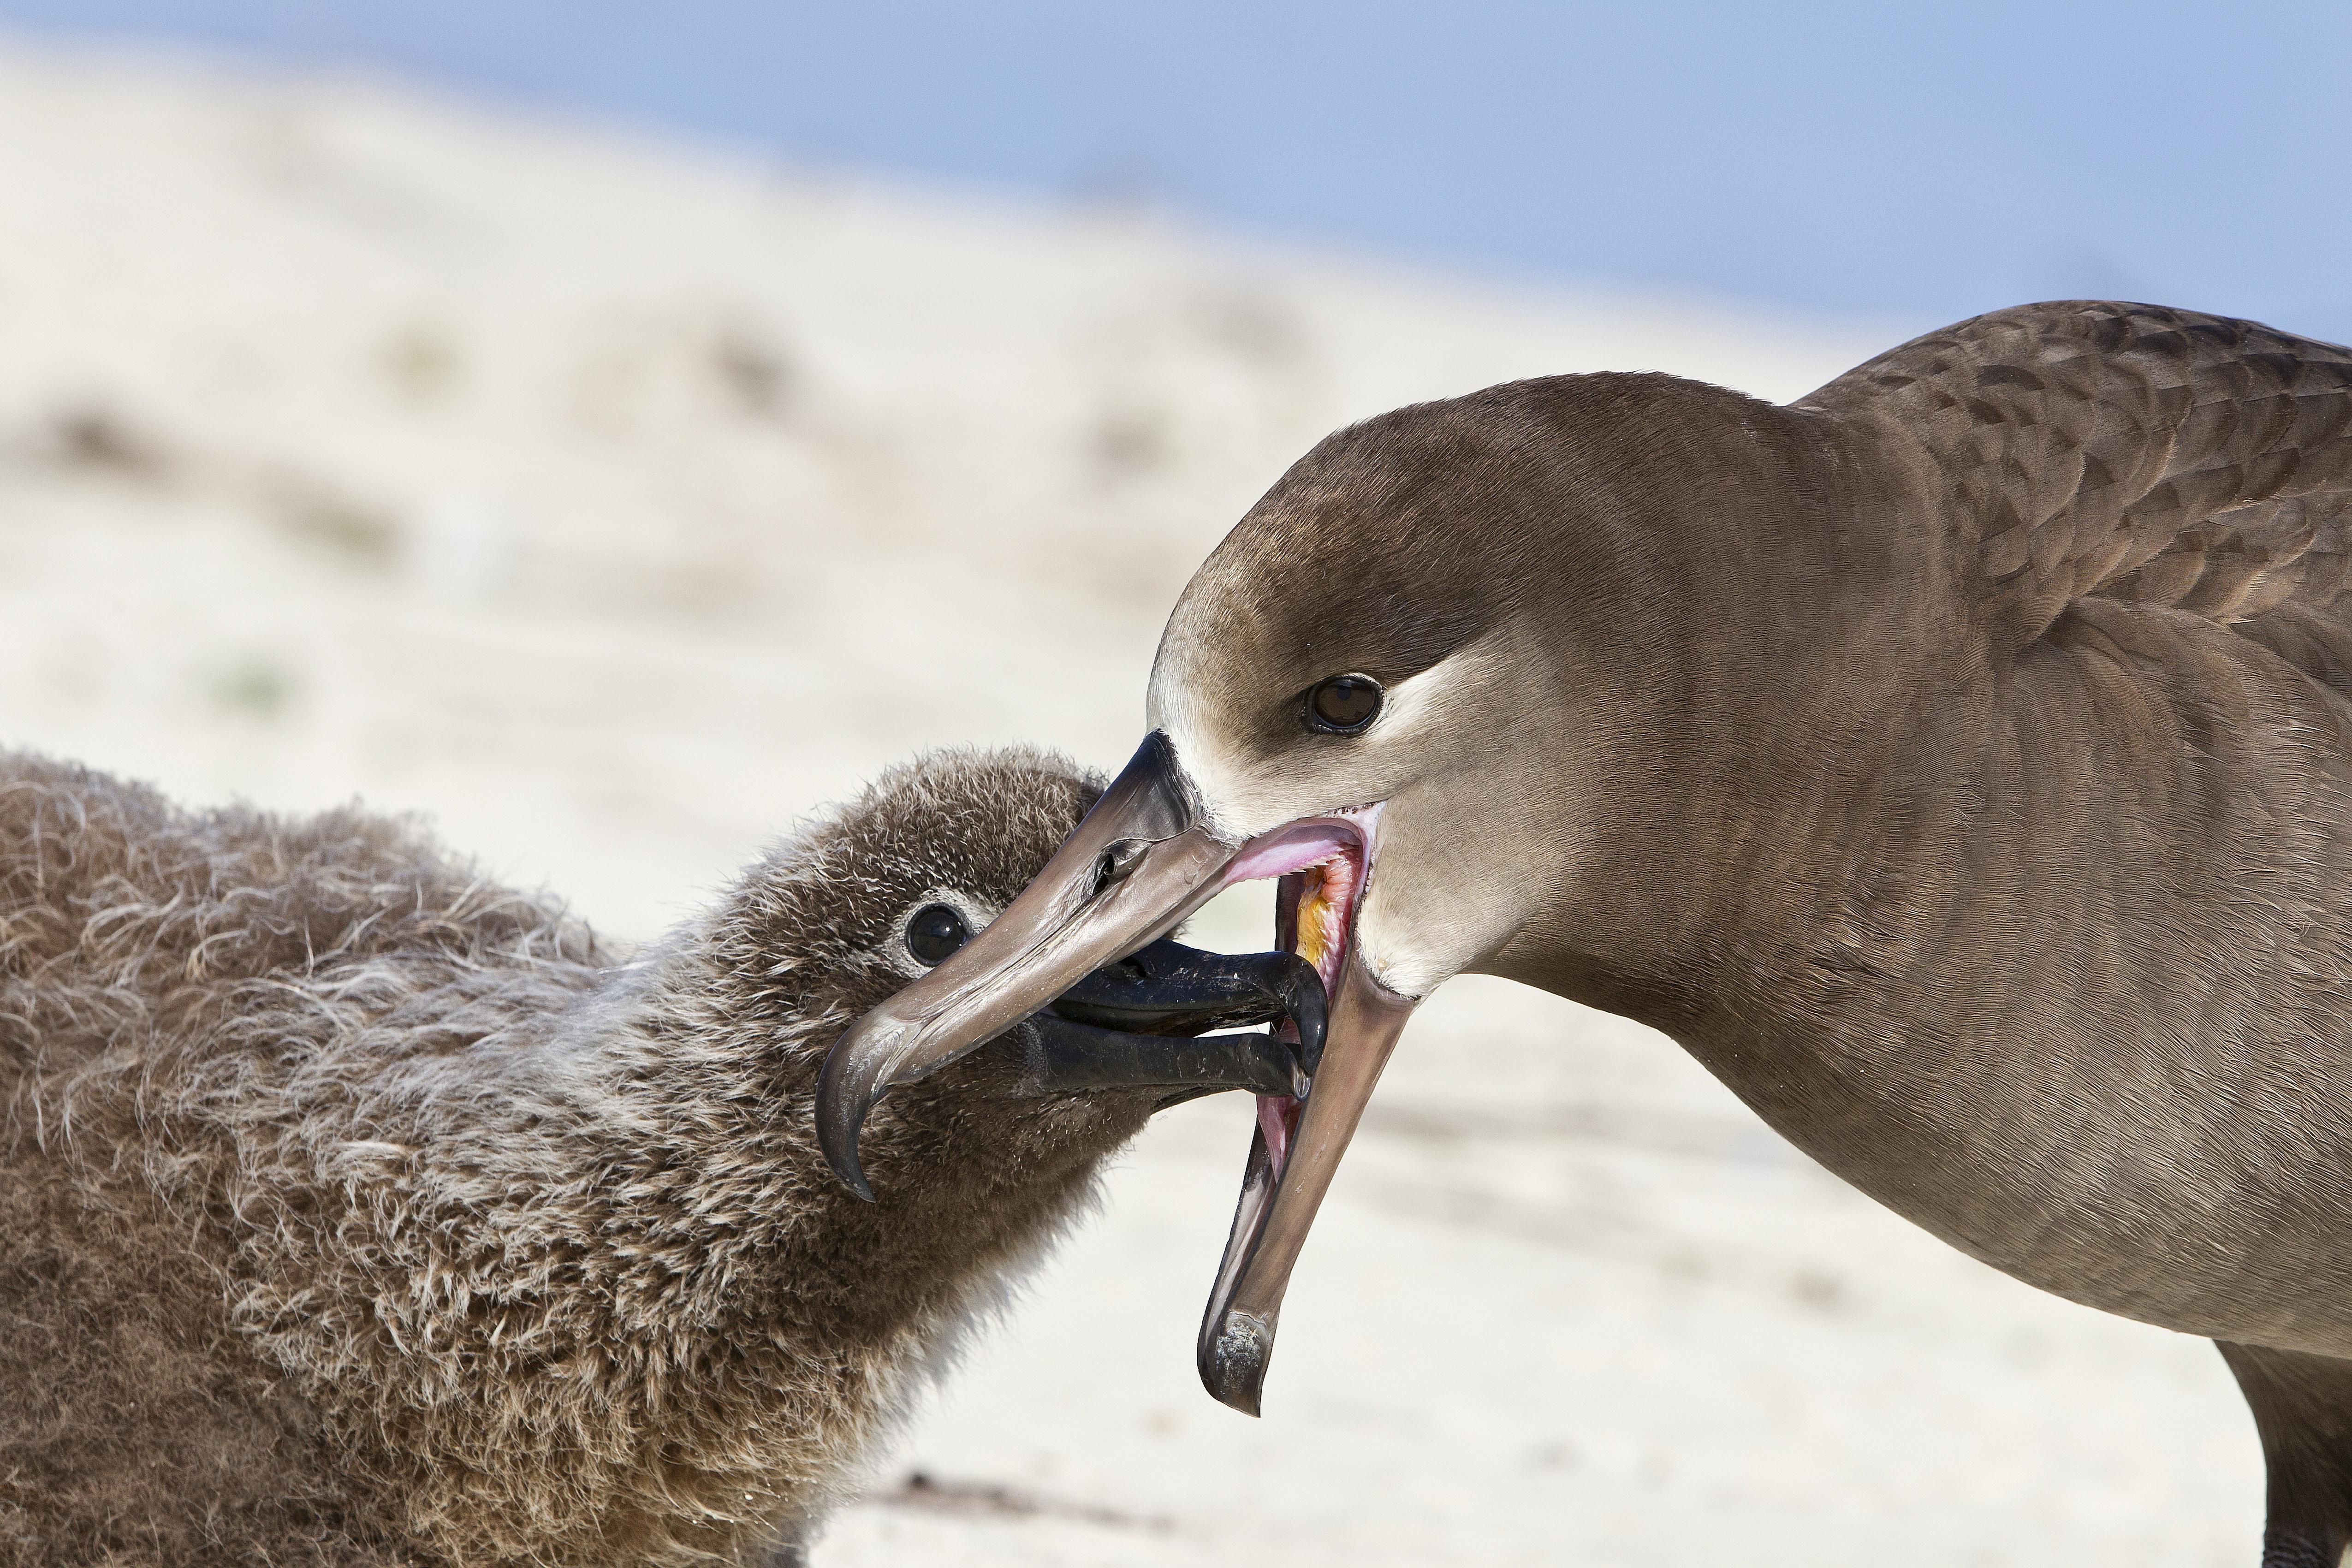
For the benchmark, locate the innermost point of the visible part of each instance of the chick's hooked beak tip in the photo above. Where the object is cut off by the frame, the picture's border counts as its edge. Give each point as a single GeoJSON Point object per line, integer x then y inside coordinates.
{"type": "Point", "coordinates": [841, 1111]}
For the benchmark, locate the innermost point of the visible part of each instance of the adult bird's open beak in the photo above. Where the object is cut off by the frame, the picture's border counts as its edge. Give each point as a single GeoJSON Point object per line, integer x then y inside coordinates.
{"type": "Point", "coordinates": [1132, 870]}
{"type": "Point", "coordinates": [1139, 863]}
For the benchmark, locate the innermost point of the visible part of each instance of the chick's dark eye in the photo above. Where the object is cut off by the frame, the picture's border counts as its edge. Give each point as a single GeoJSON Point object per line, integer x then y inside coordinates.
{"type": "Point", "coordinates": [1343, 704]}
{"type": "Point", "coordinates": [935, 931]}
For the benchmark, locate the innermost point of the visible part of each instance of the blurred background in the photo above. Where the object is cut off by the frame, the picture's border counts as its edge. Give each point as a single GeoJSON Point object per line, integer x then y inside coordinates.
{"type": "Point", "coordinates": [612, 430]}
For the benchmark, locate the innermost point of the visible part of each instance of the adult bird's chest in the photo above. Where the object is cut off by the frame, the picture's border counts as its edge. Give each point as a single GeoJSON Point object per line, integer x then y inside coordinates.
{"type": "Point", "coordinates": [2092, 1021]}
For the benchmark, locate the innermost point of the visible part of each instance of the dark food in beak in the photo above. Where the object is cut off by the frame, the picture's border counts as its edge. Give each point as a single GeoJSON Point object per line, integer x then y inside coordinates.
{"type": "Point", "coordinates": [1126, 1026]}
{"type": "Point", "coordinates": [1167, 988]}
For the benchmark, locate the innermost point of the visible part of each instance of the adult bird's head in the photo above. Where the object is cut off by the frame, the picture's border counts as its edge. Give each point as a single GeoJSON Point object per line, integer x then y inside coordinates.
{"type": "Point", "coordinates": [1425, 682]}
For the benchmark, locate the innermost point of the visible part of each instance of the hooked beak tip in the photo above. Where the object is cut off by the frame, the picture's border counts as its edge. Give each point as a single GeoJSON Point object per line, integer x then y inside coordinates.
{"type": "Point", "coordinates": [841, 1111]}
{"type": "Point", "coordinates": [853, 1179]}
{"type": "Point", "coordinates": [1234, 1363]}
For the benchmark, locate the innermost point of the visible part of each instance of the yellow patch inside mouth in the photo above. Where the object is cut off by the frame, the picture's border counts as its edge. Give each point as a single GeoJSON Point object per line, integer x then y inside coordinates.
{"type": "Point", "coordinates": [1325, 893]}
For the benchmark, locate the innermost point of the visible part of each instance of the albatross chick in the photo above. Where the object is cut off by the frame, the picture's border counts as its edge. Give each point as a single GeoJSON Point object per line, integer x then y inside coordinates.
{"type": "Point", "coordinates": [356, 1210]}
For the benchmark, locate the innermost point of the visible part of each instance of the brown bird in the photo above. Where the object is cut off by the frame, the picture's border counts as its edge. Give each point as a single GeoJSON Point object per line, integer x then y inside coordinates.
{"type": "Point", "coordinates": [1958, 762]}
{"type": "Point", "coordinates": [355, 1210]}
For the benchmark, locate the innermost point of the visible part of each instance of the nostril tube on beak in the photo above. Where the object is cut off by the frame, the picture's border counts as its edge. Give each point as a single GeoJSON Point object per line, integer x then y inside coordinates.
{"type": "Point", "coordinates": [1119, 861]}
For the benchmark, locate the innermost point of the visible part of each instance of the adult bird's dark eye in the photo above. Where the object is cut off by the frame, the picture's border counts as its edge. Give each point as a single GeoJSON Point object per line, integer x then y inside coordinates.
{"type": "Point", "coordinates": [1344, 704]}
{"type": "Point", "coordinates": [936, 931]}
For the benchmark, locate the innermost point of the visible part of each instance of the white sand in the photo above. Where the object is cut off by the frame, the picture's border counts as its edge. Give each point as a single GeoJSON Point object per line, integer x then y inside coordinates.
{"type": "Point", "coordinates": [614, 503]}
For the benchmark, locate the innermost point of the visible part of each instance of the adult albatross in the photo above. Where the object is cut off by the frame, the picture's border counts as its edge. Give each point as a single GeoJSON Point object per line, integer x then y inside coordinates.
{"type": "Point", "coordinates": [1957, 761]}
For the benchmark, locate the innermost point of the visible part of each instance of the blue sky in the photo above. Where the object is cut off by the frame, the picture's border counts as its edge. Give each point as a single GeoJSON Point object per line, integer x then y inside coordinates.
{"type": "Point", "coordinates": [1903, 164]}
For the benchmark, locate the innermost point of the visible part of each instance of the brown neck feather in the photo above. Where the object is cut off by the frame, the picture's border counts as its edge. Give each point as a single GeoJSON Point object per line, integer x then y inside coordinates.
{"type": "Point", "coordinates": [2036, 945]}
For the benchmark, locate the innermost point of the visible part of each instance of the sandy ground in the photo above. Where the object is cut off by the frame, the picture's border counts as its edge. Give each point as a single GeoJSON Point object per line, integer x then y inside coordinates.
{"type": "Point", "coordinates": [614, 503]}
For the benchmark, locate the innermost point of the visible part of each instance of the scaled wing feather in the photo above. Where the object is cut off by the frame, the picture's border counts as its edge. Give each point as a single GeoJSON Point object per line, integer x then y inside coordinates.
{"type": "Point", "coordinates": [2136, 453]}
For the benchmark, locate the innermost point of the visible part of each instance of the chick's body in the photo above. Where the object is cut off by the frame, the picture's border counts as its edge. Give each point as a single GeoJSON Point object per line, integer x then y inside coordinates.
{"type": "Point", "coordinates": [356, 1210]}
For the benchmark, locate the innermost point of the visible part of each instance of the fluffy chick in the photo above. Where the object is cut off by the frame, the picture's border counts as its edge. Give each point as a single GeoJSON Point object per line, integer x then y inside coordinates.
{"type": "Point", "coordinates": [355, 1209]}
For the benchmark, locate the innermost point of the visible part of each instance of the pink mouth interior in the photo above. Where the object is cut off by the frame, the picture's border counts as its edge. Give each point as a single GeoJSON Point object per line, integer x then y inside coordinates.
{"type": "Point", "coordinates": [1322, 866]}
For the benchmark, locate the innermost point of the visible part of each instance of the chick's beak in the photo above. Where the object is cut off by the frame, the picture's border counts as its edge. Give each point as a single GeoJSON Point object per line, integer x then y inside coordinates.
{"type": "Point", "coordinates": [1131, 871]}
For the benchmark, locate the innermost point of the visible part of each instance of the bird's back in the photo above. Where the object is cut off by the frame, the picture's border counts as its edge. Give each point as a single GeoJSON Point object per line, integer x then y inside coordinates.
{"type": "Point", "coordinates": [136, 942]}
{"type": "Point", "coordinates": [2135, 454]}
{"type": "Point", "coordinates": [126, 920]}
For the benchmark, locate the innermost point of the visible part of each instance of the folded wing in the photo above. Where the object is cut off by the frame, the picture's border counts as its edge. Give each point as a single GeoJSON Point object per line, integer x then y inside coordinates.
{"type": "Point", "coordinates": [2136, 453]}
